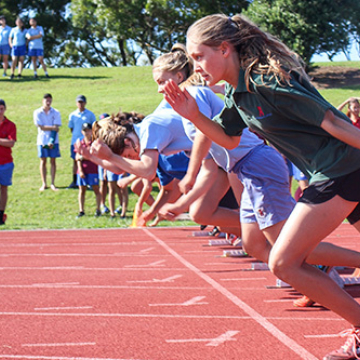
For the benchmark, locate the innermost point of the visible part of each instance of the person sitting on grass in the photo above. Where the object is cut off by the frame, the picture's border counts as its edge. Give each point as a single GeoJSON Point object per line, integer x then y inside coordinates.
{"type": "Point", "coordinates": [87, 174]}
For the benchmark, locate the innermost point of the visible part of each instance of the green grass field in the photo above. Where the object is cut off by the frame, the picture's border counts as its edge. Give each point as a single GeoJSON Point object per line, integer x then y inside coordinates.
{"type": "Point", "coordinates": [107, 90]}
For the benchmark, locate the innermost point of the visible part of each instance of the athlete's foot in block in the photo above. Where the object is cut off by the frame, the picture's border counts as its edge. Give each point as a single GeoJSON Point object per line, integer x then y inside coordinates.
{"type": "Point", "coordinates": [53, 187]}
{"type": "Point", "coordinates": [43, 187]}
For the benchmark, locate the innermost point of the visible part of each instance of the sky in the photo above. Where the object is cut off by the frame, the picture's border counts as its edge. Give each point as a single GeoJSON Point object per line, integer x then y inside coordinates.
{"type": "Point", "coordinates": [354, 55]}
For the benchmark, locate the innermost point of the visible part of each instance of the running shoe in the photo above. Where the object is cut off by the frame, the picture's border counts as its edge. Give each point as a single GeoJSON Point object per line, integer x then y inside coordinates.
{"type": "Point", "coordinates": [104, 209]}
{"type": "Point", "coordinates": [3, 220]}
{"type": "Point", "coordinates": [350, 350]}
{"type": "Point", "coordinates": [80, 214]}
{"type": "Point", "coordinates": [118, 210]}
{"type": "Point", "coordinates": [97, 213]}
{"type": "Point", "coordinates": [303, 302]}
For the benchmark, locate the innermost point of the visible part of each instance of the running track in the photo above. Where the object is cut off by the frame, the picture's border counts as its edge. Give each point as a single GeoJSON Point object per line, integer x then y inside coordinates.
{"type": "Point", "coordinates": [150, 294]}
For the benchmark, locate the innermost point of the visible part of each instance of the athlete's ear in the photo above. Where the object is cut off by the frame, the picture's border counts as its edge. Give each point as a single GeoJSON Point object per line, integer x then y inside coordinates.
{"type": "Point", "coordinates": [180, 77]}
{"type": "Point", "coordinates": [225, 48]}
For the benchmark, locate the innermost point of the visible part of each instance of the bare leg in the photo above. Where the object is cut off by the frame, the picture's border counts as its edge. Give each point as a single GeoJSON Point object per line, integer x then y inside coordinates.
{"type": "Point", "coordinates": [34, 63]}
{"type": "Point", "coordinates": [82, 192]}
{"type": "Point", "coordinates": [21, 64]}
{"type": "Point", "coordinates": [206, 210]}
{"type": "Point", "coordinates": [112, 193]}
{"type": "Point", "coordinates": [305, 228]}
{"type": "Point", "coordinates": [13, 64]}
{"type": "Point", "coordinates": [5, 63]}
{"type": "Point", "coordinates": [53, 173]}
{"type": "Point", "coordinates": [98, 196]}
{"type": "Point", "coordinates": [3, 197]}
{"type": "Point", "coordinates": [43, 173]}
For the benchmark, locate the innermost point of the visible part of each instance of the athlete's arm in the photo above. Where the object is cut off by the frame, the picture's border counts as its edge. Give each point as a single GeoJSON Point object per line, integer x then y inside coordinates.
{"type": "Point", "coordinates": [199, 150]}
{"type": "Point", "coordinates": [145, 168]}
{"type": "Point", "coordinates": [341, 129]}
{"type": "Point", "coordinates": [185, 105]}
{"type": "Point", "coordinates": [203, 183]}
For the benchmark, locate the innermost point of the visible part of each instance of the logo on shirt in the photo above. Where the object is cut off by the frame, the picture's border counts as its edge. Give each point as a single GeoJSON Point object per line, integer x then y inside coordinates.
{"type": "Point", "coordinates": [261, 113]}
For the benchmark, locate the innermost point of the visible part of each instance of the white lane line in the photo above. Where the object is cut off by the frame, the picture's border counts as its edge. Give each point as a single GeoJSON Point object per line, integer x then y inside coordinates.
{"type": "Point", "coordinates": [244, 279]}
{"type": "Point", "coordinates": [55, 284]}
{"type": "Point", "coordinates": [64, 308]}
{"type": "Point", "coordinates": [321, 336]}
{"type": "Point", "coordinates": [194, 301]}
{"type": "Point", "coordinates": [116, 315]}
{"type": "Point", "coordinates": [81, 268]}
{"type": "Point", "coordinates": [153, 264]}
{"type": "Point", "coordinates": [99, 315]}
{"type": "Point", "coordinates": [167, 280]}
{"type": "Point", "coordinates": [60, 344]}
{"type": "Point", "coordinates": [210, 342]}
{"type": "Point", "coordinates": [266, 324]}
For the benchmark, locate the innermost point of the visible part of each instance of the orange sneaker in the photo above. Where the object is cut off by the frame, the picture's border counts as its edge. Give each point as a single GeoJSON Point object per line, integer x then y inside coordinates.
{"type": "Point", "coordinates": [303, 302]}
{"type": "Point", "coordinates": [350, 350]}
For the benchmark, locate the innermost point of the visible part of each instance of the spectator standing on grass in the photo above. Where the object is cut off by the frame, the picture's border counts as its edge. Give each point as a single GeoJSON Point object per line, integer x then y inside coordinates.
{"type": "Point", "coordinates": [17, 41]}
{"type": "Point", "coordinates": [7, 141]}
{"type": "Point", "coordinates": [48, 121]}
{"type": "Point", "coordinates": [4, 43]}
{"type": "Point", "coordinates": [353, 110]}
{"type": "Point", "coordinates": [35, 44]}
{"type": "Point", "coordinates": [76, 120]}
{"type": "Point", "coordinates": [87, 174]}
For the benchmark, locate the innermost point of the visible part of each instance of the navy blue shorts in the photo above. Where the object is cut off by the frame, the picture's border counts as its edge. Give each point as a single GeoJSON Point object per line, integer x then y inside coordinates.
{"type": "Point", "coordinates": [18, 50]}
{"type": "Point", "coordinates": [49, 153]}
{"type": "Point", "coordinates": [36, 52]}
{"type": "Point", "coordinates": [5, 49]}
{"type": "Point", "coordinates": [6, 172]}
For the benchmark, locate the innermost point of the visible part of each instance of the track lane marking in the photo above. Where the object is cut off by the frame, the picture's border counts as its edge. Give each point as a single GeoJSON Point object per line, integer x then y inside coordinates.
{"type": "Point", "coordinates": [272, 329]}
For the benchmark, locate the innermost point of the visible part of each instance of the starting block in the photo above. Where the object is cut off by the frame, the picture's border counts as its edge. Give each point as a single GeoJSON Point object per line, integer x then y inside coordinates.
{"type": "Point", "coordinates": [235, 253]}
{"type": "Point", "coordinates": [207, 234]}
{"type": "Point", "coordinates": [341, 280]}
{"type": "Point", "coordinates": [259, 266]}
{"type": "Point", "coordinates": [224, 242]}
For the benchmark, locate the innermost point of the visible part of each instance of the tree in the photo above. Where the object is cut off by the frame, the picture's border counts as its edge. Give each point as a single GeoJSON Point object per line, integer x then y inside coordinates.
{"type": "Point", "coordinates": [306, 26]}
{"type": "Point", "coordinates": [136, 27]}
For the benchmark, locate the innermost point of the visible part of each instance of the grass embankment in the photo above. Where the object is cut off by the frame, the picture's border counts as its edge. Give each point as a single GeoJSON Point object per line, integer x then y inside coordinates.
{"type": "Point", "coordinates": [107, 90]}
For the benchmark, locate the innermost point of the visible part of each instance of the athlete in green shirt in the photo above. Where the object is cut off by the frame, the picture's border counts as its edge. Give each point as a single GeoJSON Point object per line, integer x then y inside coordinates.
{"type": "Point", "coordinates": [269, 91]}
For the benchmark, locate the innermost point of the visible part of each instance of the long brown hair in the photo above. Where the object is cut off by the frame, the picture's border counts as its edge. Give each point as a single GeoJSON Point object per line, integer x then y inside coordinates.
{"type": "Point", "coordinates": [114, 129]}
{"type": "Point", "coordinates": [177, 60]}
{"type": "Point", "coordinates": [258, 51]}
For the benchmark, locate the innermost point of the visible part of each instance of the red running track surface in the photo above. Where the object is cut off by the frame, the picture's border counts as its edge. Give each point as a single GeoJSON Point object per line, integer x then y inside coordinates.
{"type": "Point", "coordinates": [150, 294]}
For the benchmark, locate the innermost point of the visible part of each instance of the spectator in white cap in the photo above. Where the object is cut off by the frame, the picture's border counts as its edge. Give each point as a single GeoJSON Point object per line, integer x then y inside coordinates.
{"type": "Point", "coordinates": [76, 119]}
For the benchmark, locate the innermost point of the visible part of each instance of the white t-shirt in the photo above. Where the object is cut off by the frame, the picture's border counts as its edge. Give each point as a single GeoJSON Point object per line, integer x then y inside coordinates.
{"type": "Point", "coordinates": [41, 118]}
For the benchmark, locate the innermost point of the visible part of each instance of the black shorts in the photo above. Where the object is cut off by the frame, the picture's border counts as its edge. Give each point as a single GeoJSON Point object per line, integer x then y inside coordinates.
{"type": "Point", "coordinates": [347, 187]}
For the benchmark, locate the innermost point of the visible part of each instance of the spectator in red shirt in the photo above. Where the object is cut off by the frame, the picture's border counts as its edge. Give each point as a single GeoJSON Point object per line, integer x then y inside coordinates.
{"type": "Point", "coordinates": [353, 110]}
{"type": "Point", "coordinates": [7, 141]}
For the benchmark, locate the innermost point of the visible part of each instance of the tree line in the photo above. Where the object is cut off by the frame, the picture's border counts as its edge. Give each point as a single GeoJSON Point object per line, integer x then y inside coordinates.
{"type": "Point", "coordinates": [81, 33]}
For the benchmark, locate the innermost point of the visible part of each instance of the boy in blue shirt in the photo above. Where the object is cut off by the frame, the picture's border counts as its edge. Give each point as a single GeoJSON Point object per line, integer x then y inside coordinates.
{"type": "Point", "coordinates": [76, 119]}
